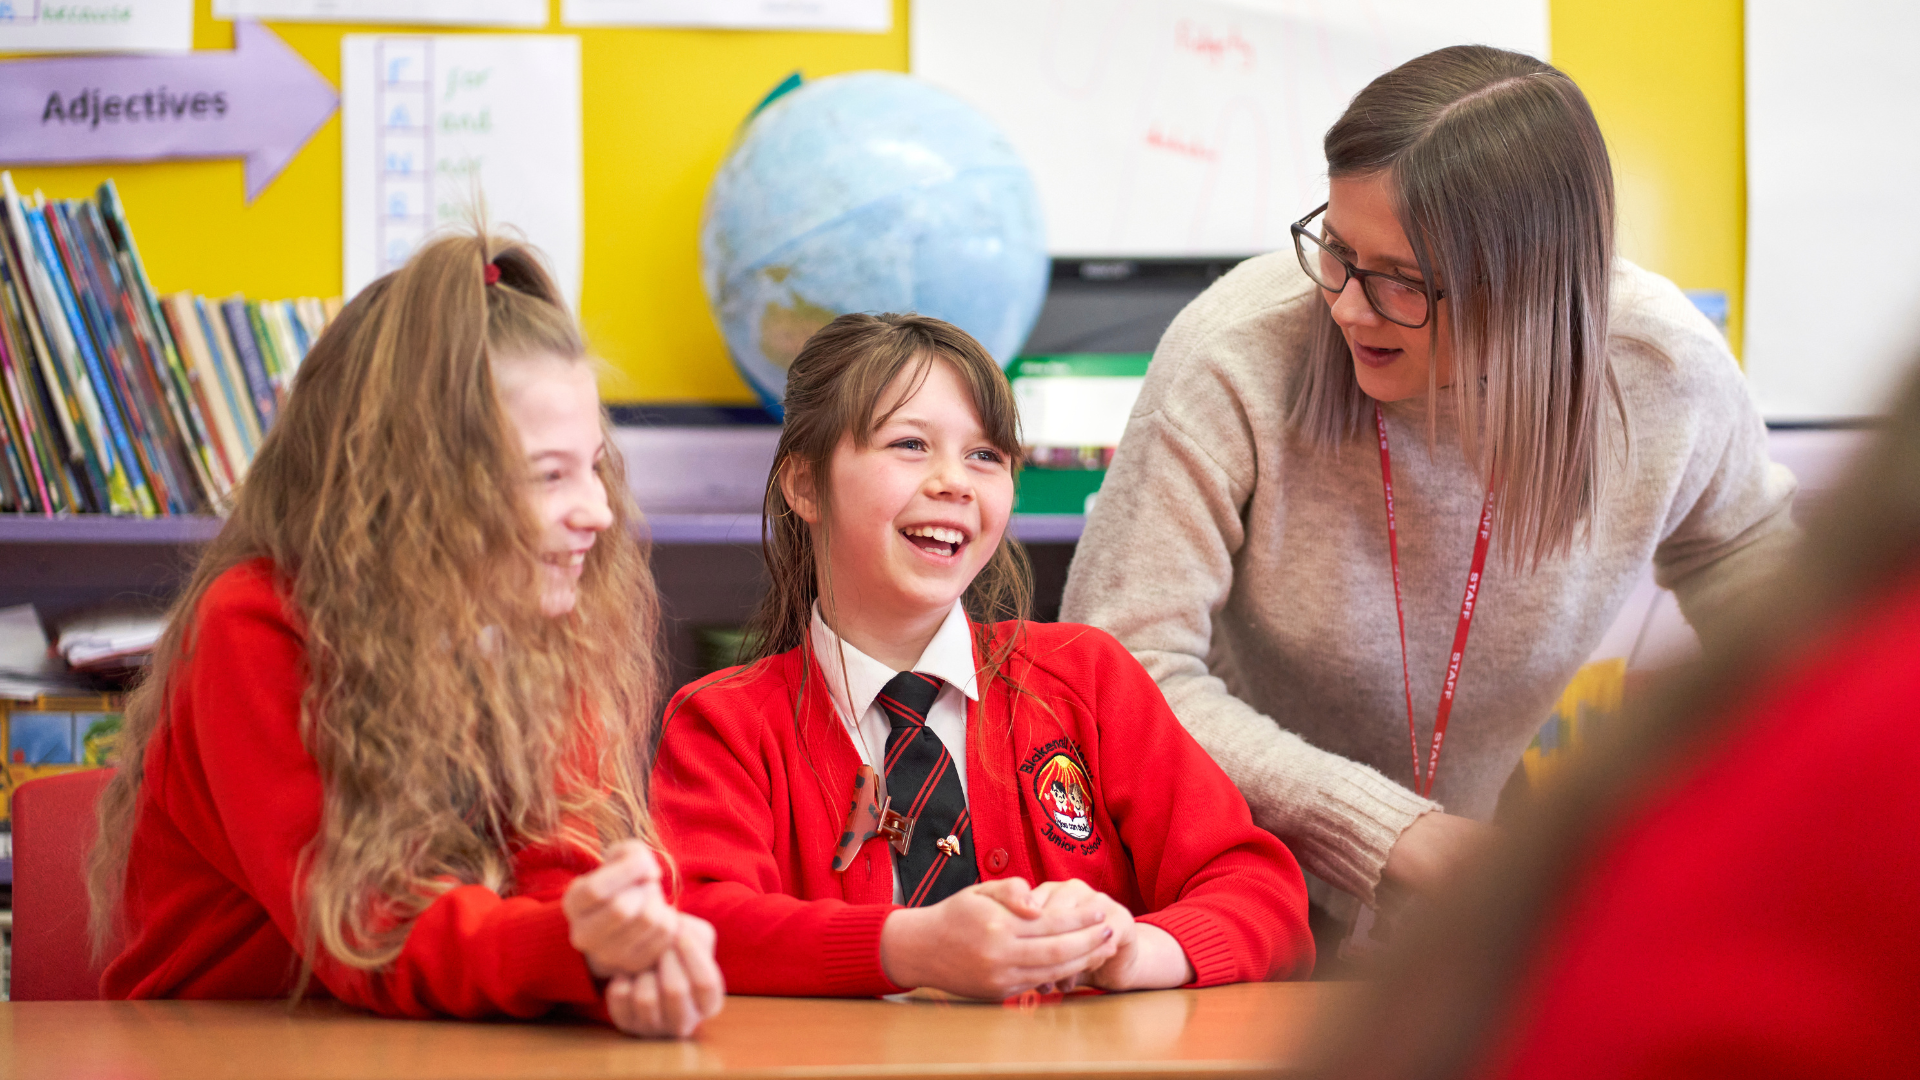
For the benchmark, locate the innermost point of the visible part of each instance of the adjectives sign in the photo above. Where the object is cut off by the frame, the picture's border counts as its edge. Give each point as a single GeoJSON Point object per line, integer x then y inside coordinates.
{"type": "Point", "coordinates": [260, 101]}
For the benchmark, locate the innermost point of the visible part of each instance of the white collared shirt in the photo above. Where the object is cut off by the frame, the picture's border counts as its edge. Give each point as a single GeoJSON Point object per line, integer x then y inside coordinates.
{"type": "Point", "coordinates": [855, 679]}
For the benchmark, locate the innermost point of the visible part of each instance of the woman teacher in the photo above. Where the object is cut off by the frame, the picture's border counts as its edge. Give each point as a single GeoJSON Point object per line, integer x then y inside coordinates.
{"type": "Point", "coordinates": [1447, 409]}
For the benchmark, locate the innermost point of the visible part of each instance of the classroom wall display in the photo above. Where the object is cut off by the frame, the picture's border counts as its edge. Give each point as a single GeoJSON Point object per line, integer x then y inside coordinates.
{"type": "Point", "coordinates": [661, 106]}
{"type": "Point", "coordinates": [1184, 127]}
{"type": "Point", "coordinates": [1833, 249]}
{"type": "Point", "coordinates": [524, 13]}
{"type": "Point", "coordinates": [259, 101]}
{"type": "Point", "coordinates": [867, 16]}
{"type": "Point", "coordinates": [439, 129]}
{"type": "Point", "coordinates": [121, 26]}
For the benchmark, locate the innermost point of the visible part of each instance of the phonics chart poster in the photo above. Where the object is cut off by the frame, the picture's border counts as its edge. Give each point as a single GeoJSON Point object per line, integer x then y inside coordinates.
{"type": "Point", "coordinates": [120, 26]}
{"type": "Point", "coordinates": [437, 126]}
{"type": "Point", "coordinates": [525, 13]}
{"type": "Point", "coordinates": [1184, 127]}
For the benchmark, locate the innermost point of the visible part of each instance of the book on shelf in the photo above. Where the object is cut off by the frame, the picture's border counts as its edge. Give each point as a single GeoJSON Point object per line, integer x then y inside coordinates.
{"type": "Point", "coordinates": [115, 399]}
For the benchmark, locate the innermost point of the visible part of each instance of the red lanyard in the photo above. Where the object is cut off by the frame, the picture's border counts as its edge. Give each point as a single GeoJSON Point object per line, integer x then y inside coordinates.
{"type": "Point", "coordinates": [1423, 785]}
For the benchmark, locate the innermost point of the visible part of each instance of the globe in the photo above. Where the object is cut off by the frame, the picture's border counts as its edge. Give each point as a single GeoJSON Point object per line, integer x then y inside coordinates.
{"type": "Point", "coordinates": [871, 192]}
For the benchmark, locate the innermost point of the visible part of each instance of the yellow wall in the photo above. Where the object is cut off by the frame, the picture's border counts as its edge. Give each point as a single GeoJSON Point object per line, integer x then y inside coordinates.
{"type": "Point", "coordinates": [661, 105]}
{"type": "Point", "coordinates": [659, 109]}
{"type": "Point", "coordinates": [1667, 81]}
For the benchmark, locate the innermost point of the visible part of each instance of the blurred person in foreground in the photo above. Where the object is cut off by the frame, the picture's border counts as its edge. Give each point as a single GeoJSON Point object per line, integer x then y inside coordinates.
{"type": "Point", "coordinates": [1728, 885]}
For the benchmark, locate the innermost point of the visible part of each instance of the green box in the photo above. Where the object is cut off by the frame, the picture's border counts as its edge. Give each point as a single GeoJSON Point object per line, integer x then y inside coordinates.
{"type": "Point", "coordinates": [1111, 365]}
{"type": "Point", "coordinates": [1056, 491]}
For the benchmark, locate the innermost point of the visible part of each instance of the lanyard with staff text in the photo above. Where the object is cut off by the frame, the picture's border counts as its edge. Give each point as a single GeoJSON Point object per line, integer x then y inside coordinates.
{"type": "Point", "coordinates": [1423, 785]}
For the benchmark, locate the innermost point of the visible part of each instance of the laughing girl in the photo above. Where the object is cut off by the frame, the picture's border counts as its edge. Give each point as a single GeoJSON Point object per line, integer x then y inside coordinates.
{"type": "Point", "coordinates": [910, 785]}
{"type": "Point", "coordinates": [389, 745]}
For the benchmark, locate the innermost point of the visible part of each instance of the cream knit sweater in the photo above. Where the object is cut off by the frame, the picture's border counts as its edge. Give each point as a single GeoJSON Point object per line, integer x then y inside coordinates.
{"type": "Point", "coordinates": [1249, 571]}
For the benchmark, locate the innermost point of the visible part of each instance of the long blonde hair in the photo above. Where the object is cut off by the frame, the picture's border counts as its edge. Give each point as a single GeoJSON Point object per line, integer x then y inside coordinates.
{"type": "Point", "coordinates": [1504, 189]}
{"type": "Point", "coordinates": [448, 716]}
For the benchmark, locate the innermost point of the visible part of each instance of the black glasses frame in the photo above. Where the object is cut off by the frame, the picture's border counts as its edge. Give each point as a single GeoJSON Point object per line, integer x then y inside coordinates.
{"type": "Point", "coordinates": [1300, 231]}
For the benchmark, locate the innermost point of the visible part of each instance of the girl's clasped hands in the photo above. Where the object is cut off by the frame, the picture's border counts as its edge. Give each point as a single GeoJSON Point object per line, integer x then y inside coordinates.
{"type": "Point", "coordinates": [1004, 937]}
{"type": "Point", "coordinates": [661, 979]}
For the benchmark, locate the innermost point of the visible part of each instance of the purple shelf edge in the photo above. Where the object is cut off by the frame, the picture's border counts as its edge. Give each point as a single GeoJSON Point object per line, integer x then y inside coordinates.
{"type": "Point", "coordinates": [106, 529]}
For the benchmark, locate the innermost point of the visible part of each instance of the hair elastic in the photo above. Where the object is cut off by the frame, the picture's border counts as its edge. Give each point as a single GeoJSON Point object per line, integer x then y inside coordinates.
{"type": "Point", "coordinates": [492, 273]}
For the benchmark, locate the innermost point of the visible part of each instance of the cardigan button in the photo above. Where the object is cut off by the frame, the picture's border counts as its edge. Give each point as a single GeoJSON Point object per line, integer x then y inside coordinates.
{"type": "Point", "coordinates": [997, 860]}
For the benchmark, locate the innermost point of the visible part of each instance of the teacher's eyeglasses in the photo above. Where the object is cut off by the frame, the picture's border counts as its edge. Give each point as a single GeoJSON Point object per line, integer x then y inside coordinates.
{"type": "Point", "coordinates": [1394, 300]}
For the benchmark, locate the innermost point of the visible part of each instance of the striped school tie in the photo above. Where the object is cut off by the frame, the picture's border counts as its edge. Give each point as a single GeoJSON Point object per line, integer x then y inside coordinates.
{"type": "Point", "coordinates": [922, 785]}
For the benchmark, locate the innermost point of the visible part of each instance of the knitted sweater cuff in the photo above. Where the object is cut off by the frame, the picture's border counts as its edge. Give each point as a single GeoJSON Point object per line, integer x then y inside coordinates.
{"type": "Point", "coordinates": [1344, 835]}
{"type": "Point", "coordinates": [850, 952]}
{"type": "Point", "coordinates": [539, 957]}
{"type": "Point", "coordinates": [1203, 940]}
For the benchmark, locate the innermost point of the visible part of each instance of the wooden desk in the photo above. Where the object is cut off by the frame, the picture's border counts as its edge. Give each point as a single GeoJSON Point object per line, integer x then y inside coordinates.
{"type": "Point", "coordinates": [1226, 1032]}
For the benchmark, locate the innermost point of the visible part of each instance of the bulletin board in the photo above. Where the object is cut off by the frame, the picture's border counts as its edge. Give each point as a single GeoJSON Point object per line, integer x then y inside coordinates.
{"type": "Point", "coordinates": [660, 106]}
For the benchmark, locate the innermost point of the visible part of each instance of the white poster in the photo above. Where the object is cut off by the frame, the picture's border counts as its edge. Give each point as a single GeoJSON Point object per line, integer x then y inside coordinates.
{"type": "Point", "coordinates": [1185, 127]}
{"type": "Point", "coordinates": [434, 126]}
{"type": "Point", "coordinates": [120, 26]}
{"type": "Point", "coordinates": [1833, 227]}
{"type": "Point", "coordinates": [529, 13]}
{"type": "Point", "coordinates": [869, 16]}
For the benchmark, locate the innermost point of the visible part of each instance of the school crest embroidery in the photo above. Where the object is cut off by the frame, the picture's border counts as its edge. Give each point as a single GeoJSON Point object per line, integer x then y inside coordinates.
{"type": "Point", "coordinates": [1061, 786]}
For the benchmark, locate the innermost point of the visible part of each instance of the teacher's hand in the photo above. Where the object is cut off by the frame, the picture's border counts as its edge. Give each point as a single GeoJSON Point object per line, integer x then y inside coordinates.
{"type": "Point", "coordinates": [1426, 855]}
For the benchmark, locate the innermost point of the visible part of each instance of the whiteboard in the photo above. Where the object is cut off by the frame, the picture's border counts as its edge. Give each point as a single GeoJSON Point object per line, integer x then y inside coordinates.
{"type": "Point", "coordinates": [1185, 127]}
{"type": "Point", "coordinates": [1833, 221]}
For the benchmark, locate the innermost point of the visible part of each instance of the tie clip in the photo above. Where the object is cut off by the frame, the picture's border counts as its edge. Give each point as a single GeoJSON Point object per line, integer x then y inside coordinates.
{"type": "Point", "coordinates": [895, 826]}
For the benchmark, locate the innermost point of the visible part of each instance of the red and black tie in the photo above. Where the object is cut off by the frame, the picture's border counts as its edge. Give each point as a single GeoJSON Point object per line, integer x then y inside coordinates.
{"type": "Point", "coordinates": [922, 785]}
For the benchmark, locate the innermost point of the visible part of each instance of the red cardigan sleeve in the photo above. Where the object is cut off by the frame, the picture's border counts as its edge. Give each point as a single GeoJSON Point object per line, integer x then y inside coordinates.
{"type": "Point", "coordinates": [1227, 890]}
{"type": "Point", "coordinates": [722, 769]}
{"type": "Point", "coordinates": [471, 953]}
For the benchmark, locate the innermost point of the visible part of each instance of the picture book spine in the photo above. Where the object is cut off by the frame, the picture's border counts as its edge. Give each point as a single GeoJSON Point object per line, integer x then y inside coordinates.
{"type": "Point", "coordinates": [95, 290]}
{"type": "Point", "coordinates": [109, 372]}
{"type": "Point", "coordinates": [272, 357]}
{"type": "Point", "coordinates": [23, 425]}
{"type": "Point", "coordinates": [193, 436]}
{"type": "Point", "coordinates": [89, 456]}
{"type": "Point", "coordinates": [73, 482]}
{"type": "Point", "coordinates": [259, 383]}
{"type": "Point", "coordinates": [163, 352]}
{"type": "Point", "coordinates": [174, 439]}
{"type": "Point", "coordinates": [16, 491]}
{"type": "Point", "coordinates": [214, 324]}
{"type": "Point", "coordinates": [185, 325]}
{"type": "Point", "coordinates": [274, 313]}
{"type": "Point", "coordinates": [126, 487]}
{"type": "Point", "coordinates": [222, 400]}
{"type": "Point", "coordinates": [296, 316]}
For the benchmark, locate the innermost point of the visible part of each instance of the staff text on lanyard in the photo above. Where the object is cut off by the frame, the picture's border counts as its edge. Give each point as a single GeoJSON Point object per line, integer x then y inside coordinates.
{"type": "Point", "coordinates": [1423, 781]}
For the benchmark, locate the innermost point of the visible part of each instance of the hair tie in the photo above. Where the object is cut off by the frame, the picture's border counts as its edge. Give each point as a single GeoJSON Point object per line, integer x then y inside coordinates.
{"type": "Point", "coordinates": [492, 273]}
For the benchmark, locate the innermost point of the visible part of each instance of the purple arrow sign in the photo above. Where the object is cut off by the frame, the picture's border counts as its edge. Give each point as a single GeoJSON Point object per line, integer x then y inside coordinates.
{"type": "Point", "coordinates": [261, 101]}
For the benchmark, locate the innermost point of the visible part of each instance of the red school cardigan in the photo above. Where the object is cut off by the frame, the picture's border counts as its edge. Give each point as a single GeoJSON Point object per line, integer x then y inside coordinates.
{"type": "Point", "coordinates": [755, 772]}
{"type": "Point", "coordinates": [229, 802]}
